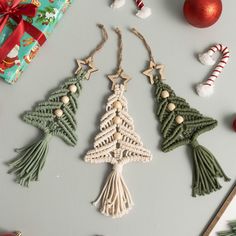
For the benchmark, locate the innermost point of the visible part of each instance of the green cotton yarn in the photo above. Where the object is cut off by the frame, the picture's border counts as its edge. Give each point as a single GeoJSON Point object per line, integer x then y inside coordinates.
{"type": "Point", "coordinates": [43, 116]}
{"type": "Point", "coordinates": [175, 134]}
{"type": "Point", "coordinates": [206, 171]}
{"type": "Point", "coordinates": [182, 125]}
{"type": "Point", "coordinates": [31, 159]}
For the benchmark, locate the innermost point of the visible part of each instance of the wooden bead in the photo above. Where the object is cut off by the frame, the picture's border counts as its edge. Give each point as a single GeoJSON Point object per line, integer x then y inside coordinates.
{"type": "Point", "coordinates": [65, 99]}
{"type": "Point", "coordinates": [72, 88]}
{"type": "Point", "coordinates": [58, 113]}
{"type": "Point", "coordinates": [171, 106]}
{"type": "Point", "coordinates": [117, 105]}
{"type": "Point", "coordinates": [117, 136]}
{"type": "Point", "coordinates": [117, 120]}
{"type": "Point", "coordinates": [179, 119]}
{"type": "Point", "coordinates": [165, 94]}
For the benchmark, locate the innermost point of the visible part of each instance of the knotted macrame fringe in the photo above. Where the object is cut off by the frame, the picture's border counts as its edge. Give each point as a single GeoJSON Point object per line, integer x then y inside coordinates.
{"type": "Point", "coordinates": [30, 161]}
{"type": "Point", "coordinates": [115, 199]}
{"type": "Point", "coordinates": [206, 171]}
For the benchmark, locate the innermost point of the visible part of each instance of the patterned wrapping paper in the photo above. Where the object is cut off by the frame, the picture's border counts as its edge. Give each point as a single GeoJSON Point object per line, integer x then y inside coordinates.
{"type": "Point", "coordinates": [48, 15]}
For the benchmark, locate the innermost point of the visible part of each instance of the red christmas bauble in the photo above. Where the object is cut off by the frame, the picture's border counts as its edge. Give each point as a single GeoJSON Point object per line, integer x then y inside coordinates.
{"type": "Point", "coordinates": [234, 125]}
{"type": "Point", "coordinates": [8, 234]}
{"type": "Point", "coordinates": [202, 13]}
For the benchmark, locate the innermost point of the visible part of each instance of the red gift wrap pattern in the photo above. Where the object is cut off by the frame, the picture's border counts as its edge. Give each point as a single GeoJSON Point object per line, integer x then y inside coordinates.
{"type": "Point", "coordinates": [24, 27]}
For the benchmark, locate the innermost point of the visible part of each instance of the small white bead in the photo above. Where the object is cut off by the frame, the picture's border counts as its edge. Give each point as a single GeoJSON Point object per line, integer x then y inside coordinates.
{"type": "Point", "coordinates": [117, 105]}
{"type": "Point", "coordinates": [65, 99]}
{"type": "Point", "coordinates": [165, 94]}
{"type": "Point", "coordinates": [72, 88]}
{"type": "Point", "coordinates": [117, 136]}
{"type": "Point", "coordinates": [179, 119]}
{"type": "Point", "coordinates": [171, 106]}
{"type": "Point", "coordinates": [117, 120]}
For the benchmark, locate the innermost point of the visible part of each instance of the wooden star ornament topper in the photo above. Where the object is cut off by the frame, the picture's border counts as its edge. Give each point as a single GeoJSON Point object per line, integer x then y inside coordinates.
{"type": "Point", "coordinates": [120, 75]}
{"type": "Point", "coordinates": [154, 66]}
{"type": "Point", "coordinates": [89, 63]}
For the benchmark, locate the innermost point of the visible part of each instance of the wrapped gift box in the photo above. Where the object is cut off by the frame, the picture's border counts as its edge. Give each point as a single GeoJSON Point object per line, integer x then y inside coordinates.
{"type": "Point", "coordinates": [48, 13]}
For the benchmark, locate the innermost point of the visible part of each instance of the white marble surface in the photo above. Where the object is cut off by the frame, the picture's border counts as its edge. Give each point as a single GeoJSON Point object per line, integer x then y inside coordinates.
{"type": "Point", "coordinates": [59, 204]}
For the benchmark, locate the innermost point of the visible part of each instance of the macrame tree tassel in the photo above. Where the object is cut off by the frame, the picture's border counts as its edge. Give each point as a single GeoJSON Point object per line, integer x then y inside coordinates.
{"type": "Point", "coordinates": [54, 117]}
{"type": "Point", "coordinates": [206, 171]}
{"type": "Point", "coordinates": [115, 199]}
{"type": "Point", "coordinates": [143, 12]}
{"type": "Point", "coordinates": [30, 161]}
{"type": "Point", "coordinates": [206, 88]}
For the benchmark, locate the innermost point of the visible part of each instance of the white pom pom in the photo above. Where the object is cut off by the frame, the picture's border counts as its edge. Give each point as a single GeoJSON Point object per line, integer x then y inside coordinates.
{"type": "Point", "coordinates": [206, 59]}
{"type": "Point", "coordinates": [204, 90]}
{"type": "Point", "coordinates": [144, 12]}
{"type": "Point", "coordinates": [118, 3]}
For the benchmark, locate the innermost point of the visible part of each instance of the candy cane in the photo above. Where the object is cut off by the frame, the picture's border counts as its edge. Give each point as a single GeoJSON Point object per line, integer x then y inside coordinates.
{"type": "Point", "coordinates": [118, 3]}
{"type": "Point", "coordinates": [206, 88]}
{"type": "Point", "coordinates": [143, 12]}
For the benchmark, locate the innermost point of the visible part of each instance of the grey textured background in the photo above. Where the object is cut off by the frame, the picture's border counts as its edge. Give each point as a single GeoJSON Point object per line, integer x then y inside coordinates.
{"type": "Point", "coordinates": [59, 204]}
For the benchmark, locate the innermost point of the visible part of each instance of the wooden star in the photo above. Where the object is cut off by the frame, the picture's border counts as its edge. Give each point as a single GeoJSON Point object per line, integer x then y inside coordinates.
{"type": "Point", "coordinates": [119, 75]}
{"type": "Point", "coordinates": [89, 63]}
{"type": "Point", "coordinates": [154, 66]}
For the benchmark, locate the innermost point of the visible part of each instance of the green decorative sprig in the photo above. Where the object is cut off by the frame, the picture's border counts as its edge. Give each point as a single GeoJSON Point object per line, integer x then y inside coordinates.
{"type": "Point", "coordinates": [231, 232]}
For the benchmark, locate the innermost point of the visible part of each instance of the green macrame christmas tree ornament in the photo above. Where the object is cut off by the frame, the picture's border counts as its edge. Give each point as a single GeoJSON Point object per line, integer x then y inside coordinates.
{"type": "Point", "coordinates": [181, 125]}
{"type": "Point", "coordinates": [54, 117]}
{"type": "Point", "coordinates": [231, 232]}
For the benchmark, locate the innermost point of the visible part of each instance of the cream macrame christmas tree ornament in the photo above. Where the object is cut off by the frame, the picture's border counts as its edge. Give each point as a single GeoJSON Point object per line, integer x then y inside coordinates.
{"type": "Point", "coordinates": [117, 144]}
{"type": "Point", "coordinates": [54, 117]}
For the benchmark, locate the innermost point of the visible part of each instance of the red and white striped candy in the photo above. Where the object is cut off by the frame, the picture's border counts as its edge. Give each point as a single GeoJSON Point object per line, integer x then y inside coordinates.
{"type": "Point", "coordinates": [139, 4]}
{"type": "Point", "coordinates": [206, 88]}
{"type": "Point", "coordinates": [143, 12]}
